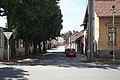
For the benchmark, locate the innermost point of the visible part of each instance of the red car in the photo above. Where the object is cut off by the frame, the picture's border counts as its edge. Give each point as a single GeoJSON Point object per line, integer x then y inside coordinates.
{"type": "Point", "coordinates": [70, 52]}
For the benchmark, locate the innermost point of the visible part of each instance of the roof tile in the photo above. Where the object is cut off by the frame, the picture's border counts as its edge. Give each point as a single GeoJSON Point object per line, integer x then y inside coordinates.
{"type": "Point", "coordinates": [103, 7]}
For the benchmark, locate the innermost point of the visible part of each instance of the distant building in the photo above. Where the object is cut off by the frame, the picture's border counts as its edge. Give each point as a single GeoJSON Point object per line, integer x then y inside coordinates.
{"type": "Point", "coordinates": [76, 41]}
{"type": "Point", "coordinates": [61, 41]}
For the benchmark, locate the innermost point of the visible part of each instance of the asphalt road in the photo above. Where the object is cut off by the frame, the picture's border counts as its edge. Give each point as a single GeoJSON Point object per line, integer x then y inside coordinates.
{"type": "Point", "coordinates": [54, 65]}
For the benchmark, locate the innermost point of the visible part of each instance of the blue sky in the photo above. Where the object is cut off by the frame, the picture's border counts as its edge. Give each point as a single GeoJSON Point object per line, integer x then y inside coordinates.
{"type": "Point", "coordinates": [73, 12]}
{"type": "Point", "coordinates": [2, 21]}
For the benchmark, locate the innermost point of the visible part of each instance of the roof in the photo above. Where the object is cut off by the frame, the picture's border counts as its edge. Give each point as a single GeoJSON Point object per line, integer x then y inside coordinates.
{"type": "Point", "coordinates": [103, 7]}
{"type": "Point", "coordinates": [75, 36]}
{"type": "Point", "coordinates": [3, 28]}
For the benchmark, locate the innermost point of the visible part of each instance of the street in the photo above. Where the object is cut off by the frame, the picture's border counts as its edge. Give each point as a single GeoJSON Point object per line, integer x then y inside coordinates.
{"type": "Point", "coordinates": [54, 65]}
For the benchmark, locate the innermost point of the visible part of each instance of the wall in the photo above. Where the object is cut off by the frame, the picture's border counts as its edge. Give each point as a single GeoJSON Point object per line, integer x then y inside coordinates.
{"type": "Point", "coordinates": [1, 43]}
{"type": "Point", "coordinates": [104, 47]}
{"type": "Point", "coordinates": [1, 38]}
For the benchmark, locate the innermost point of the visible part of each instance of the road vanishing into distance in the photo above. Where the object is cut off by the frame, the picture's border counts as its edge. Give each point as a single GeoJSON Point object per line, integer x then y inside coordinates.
{"type": "Point", "coordinates": [54, 65]}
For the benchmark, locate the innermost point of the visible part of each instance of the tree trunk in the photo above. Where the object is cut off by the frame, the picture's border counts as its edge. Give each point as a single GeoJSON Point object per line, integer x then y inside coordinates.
{"type": "Point", "coordinates": [12, 46]}
{"type": "Point", "coordinates": [35, 46]}
{"type": "Point", "coordinates": [44, 47]}
{"type": "Point", "coordinates": [39, 48]}
{"type": "Point", "coordinates": [26, 46]}
{"type": "Point", "coordinates": [12, 40]}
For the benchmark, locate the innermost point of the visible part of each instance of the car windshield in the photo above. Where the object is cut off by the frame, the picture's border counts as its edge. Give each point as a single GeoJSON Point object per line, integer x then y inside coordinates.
{"type": "Point", "coordinates": [70, 49]}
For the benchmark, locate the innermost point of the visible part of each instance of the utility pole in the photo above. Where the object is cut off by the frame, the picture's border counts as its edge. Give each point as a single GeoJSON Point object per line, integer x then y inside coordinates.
{"type": "Point", "coordinates": [113, 29]}
{"type": "Point", "coordinates": [90, 29]}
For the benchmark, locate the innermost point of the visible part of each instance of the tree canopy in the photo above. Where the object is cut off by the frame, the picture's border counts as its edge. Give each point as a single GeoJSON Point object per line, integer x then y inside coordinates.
{"type": "Point", "coordinates": [66, 36]}
{"type": "Point", "coordinates": [36, 20]}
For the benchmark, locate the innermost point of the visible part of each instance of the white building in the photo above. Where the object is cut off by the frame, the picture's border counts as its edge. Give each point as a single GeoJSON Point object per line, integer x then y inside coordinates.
{"type": "Point", "coordinates": [1, 43]}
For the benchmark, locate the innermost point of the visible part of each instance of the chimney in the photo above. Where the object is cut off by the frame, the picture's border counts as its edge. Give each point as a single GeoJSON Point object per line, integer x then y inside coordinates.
{"type": "Point", "coordinates": [74, 31]}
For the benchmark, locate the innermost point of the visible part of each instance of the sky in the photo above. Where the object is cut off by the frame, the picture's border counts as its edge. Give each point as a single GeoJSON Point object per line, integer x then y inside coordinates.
{"type": "Point", "coordinates": [73, 12]}
{"type": "Point", "coordinates": [2, 21]}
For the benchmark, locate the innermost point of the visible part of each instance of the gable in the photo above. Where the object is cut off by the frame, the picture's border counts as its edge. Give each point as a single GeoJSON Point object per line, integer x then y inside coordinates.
{"type": "Point", "coordinates": [75, 36]}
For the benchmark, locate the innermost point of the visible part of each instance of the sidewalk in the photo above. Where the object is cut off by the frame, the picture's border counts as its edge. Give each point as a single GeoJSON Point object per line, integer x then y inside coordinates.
{"type": "Point", "coordinates": [81, 57]}
{"type": "Point", "coordinates": [15, 59]}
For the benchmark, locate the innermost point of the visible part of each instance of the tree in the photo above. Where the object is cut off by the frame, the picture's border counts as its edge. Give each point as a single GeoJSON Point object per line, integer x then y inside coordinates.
{"type": "Point", "coordinates": [9, 7]}
{"type": "Point", "coordinates": [66, 36]}
{"type": "Point", "coordinates": [53, 22]}
{"type": "Point", "coordinates": [33, 20]}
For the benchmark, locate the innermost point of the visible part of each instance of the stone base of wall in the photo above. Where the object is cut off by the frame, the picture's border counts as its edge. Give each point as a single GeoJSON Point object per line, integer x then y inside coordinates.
{"type": "Point", "coordinates": [108, 54]}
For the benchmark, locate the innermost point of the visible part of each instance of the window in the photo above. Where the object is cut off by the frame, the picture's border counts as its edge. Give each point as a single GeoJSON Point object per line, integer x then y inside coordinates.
{"type": "Point", "coordinates": [111, 34]}
{"type": "Point", "coordinates": [21, 43]}
{"type": "Point", "coordinates": [5, 43]}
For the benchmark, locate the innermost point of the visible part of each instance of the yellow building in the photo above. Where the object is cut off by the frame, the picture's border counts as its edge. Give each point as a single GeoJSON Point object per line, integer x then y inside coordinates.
{"type": "Point", "coordinates": [103, 29]}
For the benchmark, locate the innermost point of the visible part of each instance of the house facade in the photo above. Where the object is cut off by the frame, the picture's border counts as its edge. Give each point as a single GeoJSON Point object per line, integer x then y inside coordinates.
{"type": "Point", "coordinates": [1, 38]}
{"type": "Point", "coordinates": [76, 41]}
{"type": "Point", "coordinates": [103, 29]}
{"type": "Point", "coordinates": [1, 43]}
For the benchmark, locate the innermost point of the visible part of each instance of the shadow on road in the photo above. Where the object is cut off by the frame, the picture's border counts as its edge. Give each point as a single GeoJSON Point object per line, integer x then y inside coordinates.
{"type": "Point", "coordinates": [10, 73]}
{"type": "Point", "coordinates": [59, 59]}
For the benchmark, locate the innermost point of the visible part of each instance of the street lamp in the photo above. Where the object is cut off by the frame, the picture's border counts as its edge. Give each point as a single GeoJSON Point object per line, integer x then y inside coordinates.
{"type": "Point", "coordinates": [113, 29]}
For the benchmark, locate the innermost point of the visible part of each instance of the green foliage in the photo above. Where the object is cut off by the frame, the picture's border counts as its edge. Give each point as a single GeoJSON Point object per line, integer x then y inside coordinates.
{"type": "Point", "coordinates": [32, 19]}
{"type": "Point", "coordinates": [66, 36]}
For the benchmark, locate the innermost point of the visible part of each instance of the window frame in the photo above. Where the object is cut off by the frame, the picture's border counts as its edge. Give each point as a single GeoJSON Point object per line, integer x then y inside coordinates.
{"type": "Point", "coordinates": [110, 34]}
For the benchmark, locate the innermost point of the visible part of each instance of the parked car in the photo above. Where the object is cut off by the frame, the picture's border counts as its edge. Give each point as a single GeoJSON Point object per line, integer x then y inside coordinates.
{"type": "Point", "coordinates": [70, 52]}
{"type": "Point", "coordinates": [67, 49]}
